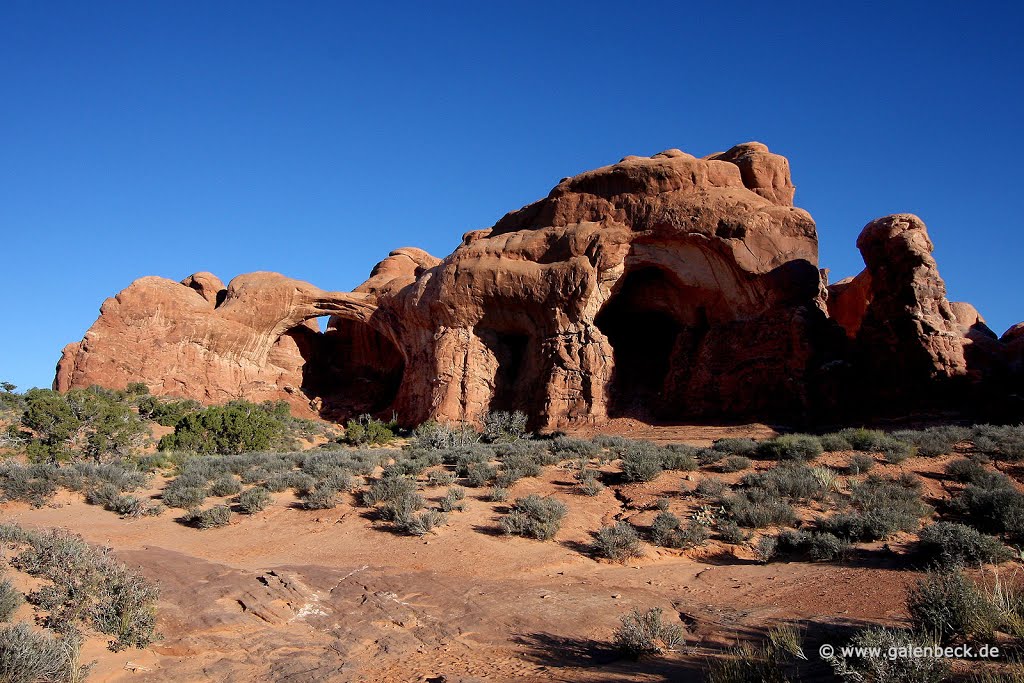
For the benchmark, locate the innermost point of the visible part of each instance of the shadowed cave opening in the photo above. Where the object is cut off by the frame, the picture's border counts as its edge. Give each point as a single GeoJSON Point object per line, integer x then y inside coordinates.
{"type": "Point", "coordinates": [350, 367]}
{"type": "Point", "coordinates": [655, 327]}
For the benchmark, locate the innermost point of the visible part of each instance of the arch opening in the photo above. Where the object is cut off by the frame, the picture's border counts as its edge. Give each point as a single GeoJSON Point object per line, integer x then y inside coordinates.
{"type": "Point", "coordinates": [656, 327]}
{"type": "Point", "coordinates": [349, 369]}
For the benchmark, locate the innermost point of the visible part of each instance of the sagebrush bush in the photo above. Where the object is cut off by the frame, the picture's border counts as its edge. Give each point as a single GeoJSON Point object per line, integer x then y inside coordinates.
{"type": "Point", "coordinates": [735, 463]}
{"type": "Point", "coordinates": [10, 600]}
{"type": "Point", "coordinates": [185, 497]}
{"type": "Point", "coordinates": [789, 480]}
{"type": "Point", "coordinates": [504, 426]}
{"type": "Point", "coordinates": [368, 430]}
{"type": "Point", "coordinates": [768, 663]}
{"type": "Point", "coordinates": [933, 441]}
{"type": "Point", "coordinates": [819, 546]}
{"type": "Point", "coordinates": [867, 440]}
{"type": "Point", "coordinates": [731, 532]}
{"type": "Point", "coordinates": [646, 632]}
{"type": "Point", "coordinates": [568, 447]}
{"type": "Point", "coordinates": [883, 506]}
{"type": "Point", "coordinates": [497, 494]}
{"type": "Point", "coordinates": [948, 606]}
{"type": "Point", "coordinates": [992, 505]}
{"type": "Point", "coordinates": [860, 463]}
{"type": "Point", "coordinates": [534, 517]}
{"type": "Point", "coordinates": [790, 447]}
{"type": "Point", "coordinates": [388, 489]}
{"type": "Point", "coordinates": [951, 544]}
{"type": "Point", "coordinates": [758, 508]}
{"type": "Point", "coordinates": [453, 499]}
{"type": "Point", "coordinates": [668, 531]}
{"type": "Point", "coordinates": [679, 457]}
{"type": "Point", "coordinates": [710, 487]}
{"type": "Point", "coordinates": [210, 518]}
{"type": "Point", "coordinates": [84, 583]}
{"type": "Point", "coordinates": [424, 522]}
{"type": "Point", "coordinates": [618, 542]}
{"type": "Point", "coordinates": [319, 498]}
{"type": "Point", "coordinates": [864, 668]}
{"type": "Point", "coordinates": [30, 656]}
{"type": "Point", "coordinates": [734, 446]}
{"type": "Point", "coordinates": [254, 500]}
{"type": "Point", "coordinates": [967, 470]}
{"type": "Point", "coordinates": [1000, 442]}
{"type": "Point", "coordinates": [641, 461]}
{"type": "Point", "coordinates": [440, 478]}
{"type": "Point", "coordinates": [225, 486]}
{"type": "Point", "coordinates": [833, 443]}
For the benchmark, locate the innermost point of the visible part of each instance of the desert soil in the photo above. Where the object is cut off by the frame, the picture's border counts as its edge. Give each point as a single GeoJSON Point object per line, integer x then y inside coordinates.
{"type": "Point", "coordinates": [296, 595]}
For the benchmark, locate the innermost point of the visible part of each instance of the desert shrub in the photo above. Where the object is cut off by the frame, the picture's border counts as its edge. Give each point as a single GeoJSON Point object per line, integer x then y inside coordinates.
{"type": "Point", "coordinates": [517, 466]}
{"type": "Point", "coordinates": [209, 518]}
{"type": "Point", "coordinates": [436, 436]}
{"type": "Point", "coordinates": [951, 544]}
{"type": "Point", "coordinates": [833, 443]}
{"type": "Point", "coordinates": [758, 508]}
{"type": "Point", "coordinates": [883, 507]}
{"type": "Point", "coordinates": [183, 496]}
{"type": "Point", "coordinates": [790, 480]}
{"type": "Point", "coordinates": [319, 498]}
{"type": "Point", "coordinates": [731, 532]}
{"type": "Point", "coordinates": [866, 440]}
{"type": "Point", "coordinates": [896, 451]}
{"type": "Point", "coordinates": [768, 663]}
{"type": "Point", "coordinates": [402, 508]}
{"type": "Point", "coordinates": [735, 446]}
{"type": "Point", "coordinates": [30, 656]}
{"type": "Point", "coordinates": [618, 542]}
{"type": "Point", "coordinates": [501, 426]}
{"type": "Point", "coordinates": [646, 632]}
{"type": "Point", "coordinates": [166, 412]}
{"type": "Point", "coordinates": [254, 500]}
{"type": "Point", "coordinates": [588, 483]}
{"type": "Point", "coordinates": [35, 483]}
{"type": "Point", "coordinates": [947, 605]}
{"type": "Point", "coordinates": [234, 427]}
{"type": "Point", "coordinates": [482, 473]}
{"type": "Point", "coordinates": [790, 447]}
{"type": "Point", "coordinates": [864, 668]}
{"type": "Point", "coordinates": [453, 499]}
{"type": "Point", "coordinates": [710, 487]}
{"type": "Point", "coordinates": [424, 522]}
{"type": "Point", "coordinates": [568, 447]}
{"type": "Point", "coordinates": [966, 470]}
{"type": "Point", "coordinates": [993, 505]}
{"type": "Point", "coordinates": [933, 441]}
{"type": "Point", "coordinates": [709, 456]}
{"type": "Point", "coordinates": [96, 422]}
{"type": "Point", "coordinates": [497, 494]}
{"type": "Point", "coordinates": [10, 600]}
{"type": "Point", "coordinates": [860, 463]}
{"type": "Point", "coordinates": [1000, 443]}
{"type": "Point", "coordinates": [368, 430]}
{"type": "Point", "coordinates": [765, 548]}
{"type": "Point", "coordinates": [225, 486]}
{"type": "Point", "coordinates": [735, 463]}
{"type": "Point", "coordinates": [388, 489]}
{"type": "Point", "coordinates": [679, 458]}
{"type": "Point", "coordinates": [641, 461]}
{"type": "Point", "coordinates": [819, 546]}
{"type": "Point", "coordinates": [440, 478]}
{"type": "Point", "coordinates": [85, 583]}
{"type": "Point", "coordinates": [611, 441]}
{"type": "Point", "coordinates": [668, 531]}
{"type": "Point", "coordinates": [534, 517]}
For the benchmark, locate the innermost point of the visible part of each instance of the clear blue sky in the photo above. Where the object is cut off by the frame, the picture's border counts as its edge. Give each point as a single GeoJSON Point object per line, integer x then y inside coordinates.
{"type": "Point", "coordinates": [166, 138]}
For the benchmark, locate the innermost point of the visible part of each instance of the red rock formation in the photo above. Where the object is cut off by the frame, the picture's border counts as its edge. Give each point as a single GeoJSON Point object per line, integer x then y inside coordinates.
{"type": "Point", "coordinates": [665, 287]}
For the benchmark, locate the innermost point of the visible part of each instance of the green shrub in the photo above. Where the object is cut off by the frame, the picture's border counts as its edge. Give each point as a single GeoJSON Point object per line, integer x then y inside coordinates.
{"type": "Point", "coordinates": [790, 447]}
{"type": "Point", "coordinates": [534, 517]}
{"type": "Point", "coordinates": [166, 412]}
{"type": "Point", "coordinates": [388, 489]}
{"type": "Point", "coordinates": [1000, 443]}
{"type": "Point", "coordinates": [94, 421]}
{"type": "Point", "coordinates": [646, 632]}
{"type": "Point", "coordinates": [993, 506]}
{"type": "Point", "coordinates": [896, 451]}
{"type": "Point", "coordinates": [235, 427]}
{"type": "Point", "coordinates": [951, 544]}
{"type": "Point", "coordinates": [966, 470]}
{"type": "Point", "coordinates": [368, 430]}
{"type": "Point", "coordinates": [771, 662]}
{"type": "Point", "coordinates": [10, 600]}
{"type": "Point", "coordinates": [402, 508]}
{"type": "Point", "coordinates": [30, 656]}
{"type": "Point", "coordinates": [933, 441]}
{"type": "Point", "coordinates": [732, 533]}
{"type": "Point", "coordinates": [679, 458]}
{"type": "Point", "coordinates": [319, 498]}
{"type": "Point", "coordinates": [618, 542]}
{"type": "Point", "coordinates": [709, 456]}
{"type": "Point", "coordinates": [254, 500]}
{"type": "Point", "coordinates": [210, 518]}
{"type": "Point", "coordinates": [424, 522]}
{"type": "Point", "coordinates": [789, 480]}
{"type": "Point", "coordinates": [568, 447]}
